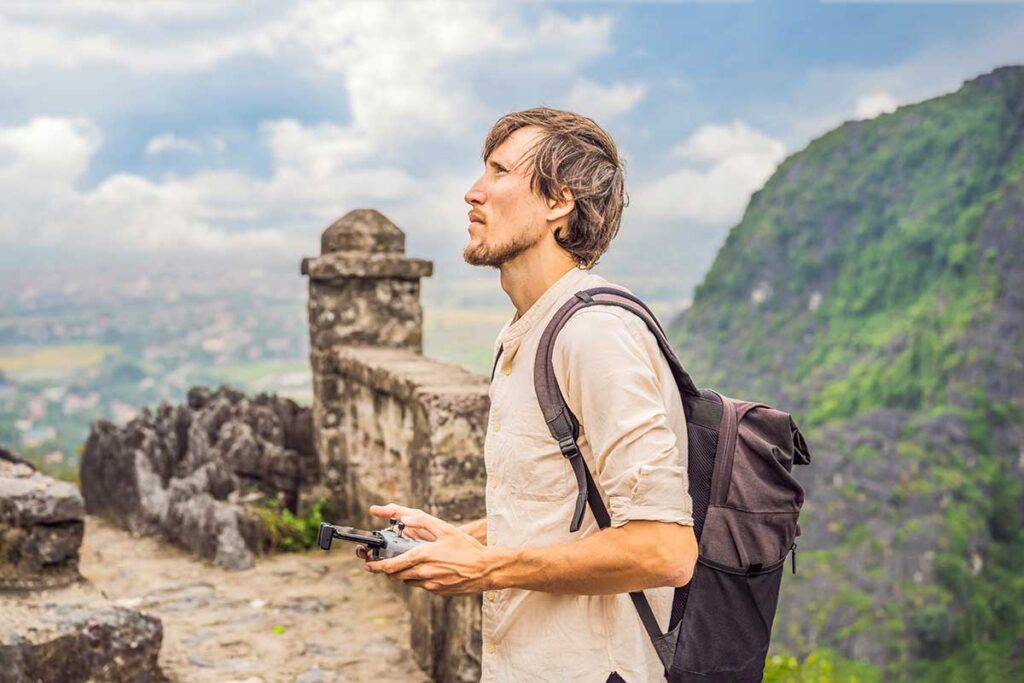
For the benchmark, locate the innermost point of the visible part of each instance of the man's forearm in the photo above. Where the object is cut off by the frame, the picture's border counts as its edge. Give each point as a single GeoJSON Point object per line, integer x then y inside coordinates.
{"type": "Point", "coordinates": [477, 529]}
{"type": "Point", "coordinates": [641, 554]}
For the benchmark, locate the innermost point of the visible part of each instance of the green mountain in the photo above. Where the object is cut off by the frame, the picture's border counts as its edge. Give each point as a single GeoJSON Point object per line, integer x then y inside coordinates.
{"type": "Point", "coordinates": [875, 288]}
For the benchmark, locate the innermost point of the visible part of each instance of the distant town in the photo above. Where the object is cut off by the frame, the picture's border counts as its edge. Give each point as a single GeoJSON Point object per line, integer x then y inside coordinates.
{"type": "Point", "coordinates": [103, 343]}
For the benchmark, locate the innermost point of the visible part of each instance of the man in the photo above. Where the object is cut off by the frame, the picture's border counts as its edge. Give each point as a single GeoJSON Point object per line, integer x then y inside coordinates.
{"type": "Point", "coordinates": [556, 607]}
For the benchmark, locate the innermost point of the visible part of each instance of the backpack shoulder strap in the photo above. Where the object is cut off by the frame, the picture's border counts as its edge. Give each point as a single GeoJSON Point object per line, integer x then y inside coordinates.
{"type": "Point", "coordinates": [557, 414]}
{"type": "Point", "coordinates": [564, 426]}
{"type": "Point", "coordinates": [501, 347]}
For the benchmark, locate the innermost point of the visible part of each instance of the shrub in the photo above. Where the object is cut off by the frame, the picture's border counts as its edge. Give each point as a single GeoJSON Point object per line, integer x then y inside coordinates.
{"type": "Point", "coordinates": [287, 531]}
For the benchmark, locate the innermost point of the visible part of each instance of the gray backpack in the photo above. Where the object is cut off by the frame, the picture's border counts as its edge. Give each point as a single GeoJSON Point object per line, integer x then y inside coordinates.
{"type": "Point", "coordinates": [745, 508]}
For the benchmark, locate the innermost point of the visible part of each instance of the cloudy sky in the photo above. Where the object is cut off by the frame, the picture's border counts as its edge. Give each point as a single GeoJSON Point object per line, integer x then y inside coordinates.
{"type": "Point", "coordinates": [149, 129]}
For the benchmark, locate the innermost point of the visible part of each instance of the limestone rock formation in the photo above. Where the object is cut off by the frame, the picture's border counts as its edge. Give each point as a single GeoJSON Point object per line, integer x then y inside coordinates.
{"type": "Point", "coordinates": [191, 472]}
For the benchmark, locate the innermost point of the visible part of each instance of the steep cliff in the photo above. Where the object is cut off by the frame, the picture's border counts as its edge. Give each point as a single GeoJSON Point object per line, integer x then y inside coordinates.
{"type": "Point", "coordinates": [875, 288]}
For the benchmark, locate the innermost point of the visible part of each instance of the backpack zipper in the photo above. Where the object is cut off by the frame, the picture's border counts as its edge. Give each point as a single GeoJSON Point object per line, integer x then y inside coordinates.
{"type": "Point", "coordinates": [793, 558]}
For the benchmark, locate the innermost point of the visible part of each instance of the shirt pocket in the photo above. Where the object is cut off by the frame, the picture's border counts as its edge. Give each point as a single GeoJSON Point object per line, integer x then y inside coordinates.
{"type": "Point", "coordinates": [535, 470]}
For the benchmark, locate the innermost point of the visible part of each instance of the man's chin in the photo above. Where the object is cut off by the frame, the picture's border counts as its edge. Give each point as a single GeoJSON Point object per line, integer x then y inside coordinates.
{"type": "Point", "coordinates": [478, 257]}
{"type": "Point", "coordinates": [496, 257]}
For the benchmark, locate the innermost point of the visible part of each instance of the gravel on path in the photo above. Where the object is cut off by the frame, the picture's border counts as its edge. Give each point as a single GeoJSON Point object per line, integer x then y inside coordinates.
{"type": "Point", "coordinates": [309, 617]}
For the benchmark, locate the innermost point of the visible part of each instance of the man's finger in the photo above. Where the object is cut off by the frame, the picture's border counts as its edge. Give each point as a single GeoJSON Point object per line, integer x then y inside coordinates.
{"type": "Point", "coordinates": [419, 534]}
{"type": "Point", "coordinates": [395, 564]}
{"type": "Point", "coordinates": [417, 573]}
{"type": "Point", "coordinates": [421, 521]}
{"type": "Point", "coordinates": [392, 510]}
{"type": "Point", "coordinates": [423, 527]}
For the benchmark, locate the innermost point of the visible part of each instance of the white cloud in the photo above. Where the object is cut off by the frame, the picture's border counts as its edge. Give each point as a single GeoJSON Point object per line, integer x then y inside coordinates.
{"type": "Point", "coordinates": [64, 45]}
{"type": "Point", "coordinates": [604, 102]}
{"type": "Point", "coordinates": [41, 166]}
{"type": "Point", "coordinates": [168, 142]}
{"type": "Point", "coordinates": [135, 11]}
{"type": "Point", "coordinates": [716, 143]}
{"type": "Point", "coordinates": [870, 106]}
{"type": "Point", "coordinates": [26, 46]}
{"type": "Point", "coordinates": [47, 150]}
{"type": "Point", "coordinates": [408, 68]}
{"type": "Point", "coordinates": [409, 71]}
{"type": "Point", "coordinates": [724, 164]}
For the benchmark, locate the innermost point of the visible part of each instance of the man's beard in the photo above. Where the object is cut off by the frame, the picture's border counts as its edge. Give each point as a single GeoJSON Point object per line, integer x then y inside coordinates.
{"type": "Point", "coordinates": [481, 255]}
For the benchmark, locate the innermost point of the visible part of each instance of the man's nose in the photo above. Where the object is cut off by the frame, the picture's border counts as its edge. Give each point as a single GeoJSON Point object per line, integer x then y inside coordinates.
{"type": "Point", "coordinates": [475, 195]}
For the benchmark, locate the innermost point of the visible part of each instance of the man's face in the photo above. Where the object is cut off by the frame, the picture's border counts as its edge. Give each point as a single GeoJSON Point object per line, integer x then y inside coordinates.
{"type": "Point", "coordinates": [506, 217]}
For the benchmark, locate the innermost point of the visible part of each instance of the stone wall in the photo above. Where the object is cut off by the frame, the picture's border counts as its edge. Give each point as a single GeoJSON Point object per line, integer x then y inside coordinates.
{"type": "Point", "coordinates": [391, 425]}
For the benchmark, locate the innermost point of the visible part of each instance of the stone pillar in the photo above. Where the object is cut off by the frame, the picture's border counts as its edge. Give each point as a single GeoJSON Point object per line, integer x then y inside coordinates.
{"type": "Point", "coordinates": [363, 290]}
{"type": "Point", "coordinates": [390, 424]}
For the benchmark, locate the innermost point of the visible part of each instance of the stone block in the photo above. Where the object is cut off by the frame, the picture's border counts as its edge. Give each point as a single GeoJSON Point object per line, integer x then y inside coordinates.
{"type": "Point", "coordinates": [41, 527]}
{"type": "Point", "coordinates": [72, 634]}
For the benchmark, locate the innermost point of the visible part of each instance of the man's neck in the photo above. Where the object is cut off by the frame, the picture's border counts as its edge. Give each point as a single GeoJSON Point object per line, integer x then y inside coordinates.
{"type": "Point", "coordinates": [525, 285]}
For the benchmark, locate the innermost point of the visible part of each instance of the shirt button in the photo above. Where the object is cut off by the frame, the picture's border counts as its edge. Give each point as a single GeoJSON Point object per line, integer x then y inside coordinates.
{"type": "Point", "coordinates": [490, 596]}
{"type": "Point", "coordinates": [497, 425]}
{"type": "Point", "coordinates": [492, 648]}
{"type": "Point", "coordinates": [494, 482]}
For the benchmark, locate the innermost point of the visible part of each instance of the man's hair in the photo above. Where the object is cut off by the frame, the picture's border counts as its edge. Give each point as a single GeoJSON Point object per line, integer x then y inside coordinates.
{"type": "Point", "coordinates": [577, 153]}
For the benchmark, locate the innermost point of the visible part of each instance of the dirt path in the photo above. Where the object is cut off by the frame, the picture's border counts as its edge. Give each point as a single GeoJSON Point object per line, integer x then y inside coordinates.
{"type": "Point", "coordinates": [311, 617]}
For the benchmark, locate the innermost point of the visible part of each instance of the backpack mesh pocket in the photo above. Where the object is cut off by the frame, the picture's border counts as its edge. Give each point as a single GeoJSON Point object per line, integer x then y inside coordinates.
{"type": "Point", "coordinates": [729, 618]}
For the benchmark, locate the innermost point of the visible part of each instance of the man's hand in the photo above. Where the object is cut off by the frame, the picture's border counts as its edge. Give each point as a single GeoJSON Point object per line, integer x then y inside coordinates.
{"type": "Point", "coordinates": [451, 563]}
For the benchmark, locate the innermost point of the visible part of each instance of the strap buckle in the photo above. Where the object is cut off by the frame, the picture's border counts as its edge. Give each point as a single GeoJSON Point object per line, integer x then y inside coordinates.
{"type": "Point", "coordinates": [568, 447]}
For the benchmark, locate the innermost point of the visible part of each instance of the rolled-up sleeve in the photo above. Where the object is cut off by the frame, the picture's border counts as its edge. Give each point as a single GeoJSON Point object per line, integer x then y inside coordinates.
{"type": "Point", "coordinates": [605, 364]}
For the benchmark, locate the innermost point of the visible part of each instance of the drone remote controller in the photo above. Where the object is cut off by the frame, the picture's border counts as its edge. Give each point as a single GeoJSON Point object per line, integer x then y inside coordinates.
{"type": "Point", "coordinates": [383, 544]}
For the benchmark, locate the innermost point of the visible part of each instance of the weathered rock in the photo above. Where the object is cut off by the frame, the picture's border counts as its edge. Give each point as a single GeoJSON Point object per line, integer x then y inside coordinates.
{"type": "Point", "coordinates": [72, 634]}
{"type": "Point", "coordinates": [211, 528]}
{"type": "Point", "coordinates": [184, 472]}
{"type": "Point", "coordinates": [40, 527]}
{"type": "Point", "coordinates": [54, 626]}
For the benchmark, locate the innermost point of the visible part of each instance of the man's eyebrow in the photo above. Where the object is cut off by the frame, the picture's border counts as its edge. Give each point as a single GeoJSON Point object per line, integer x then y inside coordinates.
{"type": "Point", "coordinates": [495, 162]}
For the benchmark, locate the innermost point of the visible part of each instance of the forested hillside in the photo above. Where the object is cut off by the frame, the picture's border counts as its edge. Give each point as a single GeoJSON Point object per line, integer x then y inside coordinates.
{"type": "Point", "coordinates": [875, 288]}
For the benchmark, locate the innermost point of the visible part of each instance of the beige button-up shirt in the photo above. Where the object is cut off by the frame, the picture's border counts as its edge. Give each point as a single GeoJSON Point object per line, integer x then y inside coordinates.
{"type": "Point", "coordinates": [632, 437]}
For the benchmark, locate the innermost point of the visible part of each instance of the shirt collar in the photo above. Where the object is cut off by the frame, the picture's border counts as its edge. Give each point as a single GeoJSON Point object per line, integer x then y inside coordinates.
{"type": "Point", "coordinates": [543, 305]}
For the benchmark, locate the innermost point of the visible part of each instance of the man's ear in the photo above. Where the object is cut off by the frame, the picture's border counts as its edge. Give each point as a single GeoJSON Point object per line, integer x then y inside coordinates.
{"type": "Point", "coordinates": [559, 208]}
